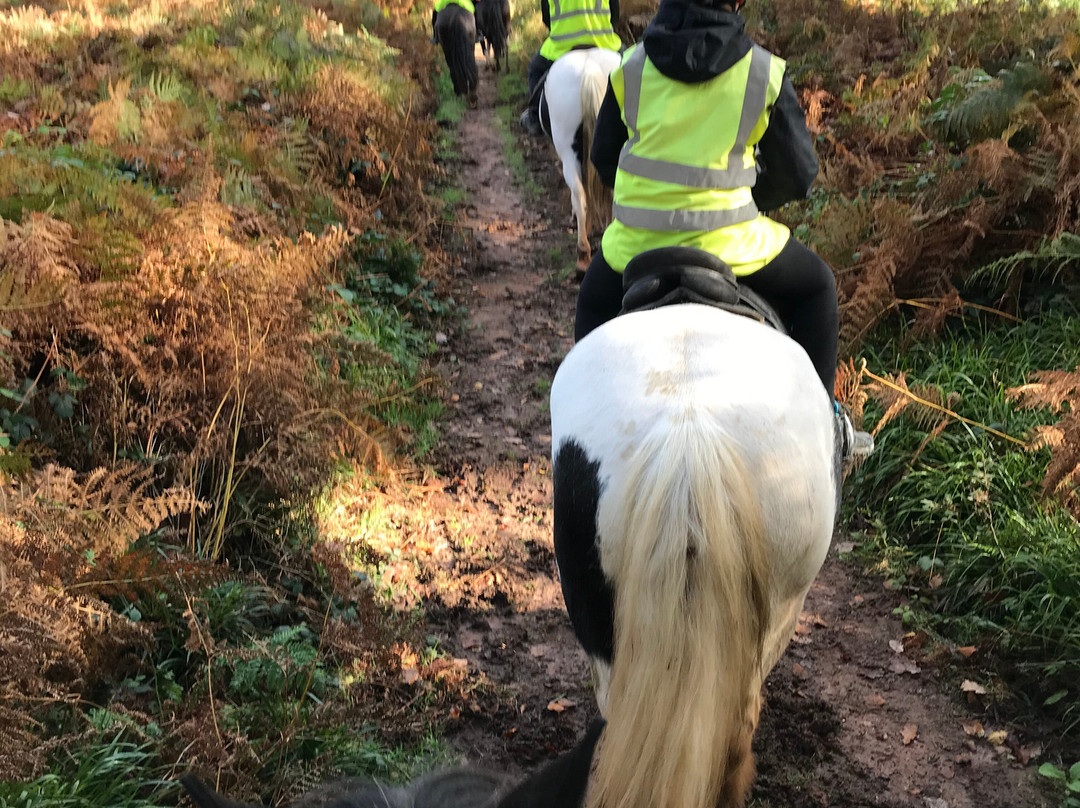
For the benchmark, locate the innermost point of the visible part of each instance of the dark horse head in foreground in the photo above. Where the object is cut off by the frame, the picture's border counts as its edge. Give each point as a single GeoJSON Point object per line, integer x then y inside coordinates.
{"type": "Point", "coordinates": [455, 29]}
{"type": "Point", "coordinates": [560, 784]}
{"type": "Point", "coordinates": [493, 22]}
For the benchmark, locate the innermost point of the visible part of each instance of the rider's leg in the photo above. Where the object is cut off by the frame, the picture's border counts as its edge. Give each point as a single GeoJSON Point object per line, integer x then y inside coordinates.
{"type": "Point", "coordinates": [600, 296]}
{"type": "Point", "coordinates": [530, 118]}
{"type": "Point", "coordinates": [800, 286]}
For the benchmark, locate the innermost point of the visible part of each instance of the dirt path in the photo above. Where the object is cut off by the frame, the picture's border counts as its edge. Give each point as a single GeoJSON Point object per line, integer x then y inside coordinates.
{"type": "Point", "coordinates": [856, 715]}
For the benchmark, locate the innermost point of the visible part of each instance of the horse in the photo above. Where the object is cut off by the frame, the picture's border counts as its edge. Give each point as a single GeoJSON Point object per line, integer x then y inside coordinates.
{"type": "Point", "coordinates": [455, 28]}
{"type": "Point", "coordinates": [697, 464]}
{"type": "Point", "coordinates": [493, 23]}
{"type": "Point", "coordinates": [559, 784]}
{"type": "Point", "coordinates": [573, 90]}
{"type": "Point", "coordinates": [460, 787]}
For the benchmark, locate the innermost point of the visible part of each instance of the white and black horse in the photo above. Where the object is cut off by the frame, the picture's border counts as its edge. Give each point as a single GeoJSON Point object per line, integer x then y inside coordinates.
{"type": "Point", "coordinates": [573, 91]}
{"type": "Point", "coordinates": [696, 480]}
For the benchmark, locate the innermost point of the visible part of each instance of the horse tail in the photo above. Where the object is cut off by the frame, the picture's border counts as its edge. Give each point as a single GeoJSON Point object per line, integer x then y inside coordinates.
{"type": "Point", "coordinates": [597, 195]}
{"type": "Point", "coordinates": [690, 568]}
{"type": "Point", "coordinates": [459, 49]}
{"type": "Point", "coordinates": [498, 33]}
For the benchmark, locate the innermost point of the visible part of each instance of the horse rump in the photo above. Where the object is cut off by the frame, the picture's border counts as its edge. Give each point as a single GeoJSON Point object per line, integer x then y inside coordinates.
{"type": "Point", "coordinates": [493, 23]}
{"type": "Point", "coordinates": [455, 29]}
{"type": "Point", "coordinates": [700, 493]}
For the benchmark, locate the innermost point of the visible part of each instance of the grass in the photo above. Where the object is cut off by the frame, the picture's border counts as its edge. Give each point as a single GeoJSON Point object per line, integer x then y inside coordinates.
{"type": "Point", "coordinates": [511, 92]}
{"type": "Point", "coordinates": [107, 770]}
{"type": "Point", "coordinates": [989, 562]}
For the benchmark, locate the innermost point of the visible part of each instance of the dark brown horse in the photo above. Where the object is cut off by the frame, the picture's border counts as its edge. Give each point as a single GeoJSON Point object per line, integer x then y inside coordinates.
{"type": "Point", "coordinates": [455, 28]}
{"type": "Point", "coordinates": [493, 22]}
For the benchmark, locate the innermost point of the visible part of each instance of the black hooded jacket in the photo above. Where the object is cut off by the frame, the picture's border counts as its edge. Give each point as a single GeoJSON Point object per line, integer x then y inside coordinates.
{"type": "Point", "coordinates": [693, 43]}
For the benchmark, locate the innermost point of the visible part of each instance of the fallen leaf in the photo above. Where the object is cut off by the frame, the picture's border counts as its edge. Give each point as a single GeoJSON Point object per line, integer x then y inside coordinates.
{"type": "Point", "coordinates": [858, 599]}
{"type": "Point", "coordinates": [875, 700]}
{"type": "Point", "coordinates": [974, 728]}
{"type": "Point", "coordinates": [844, 547]}
{"type": "Point", "coordinates": [409, 675]}
{"type": "Point", "coordinates": [802, 628]}
{"type": "Point", "coordinates": [799, 671]}
{"type": "Point", "coordinates": [471, 640]}
{"type": "Point", "coordinates": [908, 733]}
{"type": "Point", "coordinates": [997, 738]}
{"type": "Point", "coordinates": [537, 650]}
{"type": "Point", "coordinates": [1026, 753]}
{"type": "Point", "coordinates": [897, 646]}
{"type": "Point", "coordinates": [966, 650]}
{"type": "Point", "coordinates": [936, 581]}
{"type": "Point", "coordinates": [902, 665]}
{"type": "Point", "coordinates": [560, 704]}
{"type": "Point", "coordinates": [973, 687]}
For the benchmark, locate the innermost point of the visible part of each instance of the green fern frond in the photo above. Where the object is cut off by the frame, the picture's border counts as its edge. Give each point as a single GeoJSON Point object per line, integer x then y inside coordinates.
{"type": "Point", "coordinates": [166, 87]}
{"type": "Point", "coordinates": [1049, 260]}
{"type": "Point", "coordinates": [982, 107]}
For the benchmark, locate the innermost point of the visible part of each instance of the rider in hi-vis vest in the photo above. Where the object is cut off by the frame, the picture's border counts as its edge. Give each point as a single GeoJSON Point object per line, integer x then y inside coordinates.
{"type": "Point", "coordinates": [700, 131]}
{"type": "Point", "coordinates": [572, 24]}
{"type": "Point", "coordinates": [440, 5]}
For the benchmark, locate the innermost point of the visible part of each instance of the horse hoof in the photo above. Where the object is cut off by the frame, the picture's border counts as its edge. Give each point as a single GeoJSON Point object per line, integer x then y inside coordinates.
{"type": "Point", "coordinates": [473, 100]}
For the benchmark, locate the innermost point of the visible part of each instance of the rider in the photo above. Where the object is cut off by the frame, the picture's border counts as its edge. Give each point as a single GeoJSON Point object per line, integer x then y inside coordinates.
{"type": "Point", "coordinates": [439, 6]}
{"type": "Point", "coordinates": [716, 134]}
{"type": "Point", "coordinates": [572, 24]}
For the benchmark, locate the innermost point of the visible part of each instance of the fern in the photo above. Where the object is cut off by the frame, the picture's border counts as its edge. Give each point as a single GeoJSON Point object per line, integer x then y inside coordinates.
{"type": "Point", "coordinates": [166, 87]}
{"type": "Point", "coordinates": [1059, 391]}
{"type": "Point", "coordinates": [981, 107]}
{"type": "Point", "coordinates": [1049, 260]}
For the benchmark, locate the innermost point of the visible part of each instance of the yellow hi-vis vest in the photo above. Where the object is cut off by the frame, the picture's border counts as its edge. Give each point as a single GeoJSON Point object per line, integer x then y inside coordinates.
{"type": "Point", "coordinates": [579, 22]}
{"type": "Point", "coordinates": [685, 174]}
{"type": "Point", "coordinates": [465, 4]}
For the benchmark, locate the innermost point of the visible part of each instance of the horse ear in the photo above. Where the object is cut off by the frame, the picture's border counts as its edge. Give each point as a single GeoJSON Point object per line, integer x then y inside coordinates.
{"type": "Point", "coordinates": [205, 797]}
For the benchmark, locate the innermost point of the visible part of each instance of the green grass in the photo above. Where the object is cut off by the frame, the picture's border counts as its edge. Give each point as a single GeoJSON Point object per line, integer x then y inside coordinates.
{"type": "Point", "coordinates": [108, 770]}
{"type": "Point", "coordinates": [991, 562]}
{"type": "Point", "coordinates": [506, 123]}
{"type": "Point", "coordinates": [385, 317]}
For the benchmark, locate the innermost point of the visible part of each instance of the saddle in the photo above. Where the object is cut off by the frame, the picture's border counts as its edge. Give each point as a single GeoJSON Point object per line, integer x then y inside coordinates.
{"type": "Point", "coordinates": [670, 275]}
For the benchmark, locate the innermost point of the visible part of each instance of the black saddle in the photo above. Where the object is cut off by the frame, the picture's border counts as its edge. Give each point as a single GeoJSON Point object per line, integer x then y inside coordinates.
{"type": "Point", "coordinates": [670, 275]}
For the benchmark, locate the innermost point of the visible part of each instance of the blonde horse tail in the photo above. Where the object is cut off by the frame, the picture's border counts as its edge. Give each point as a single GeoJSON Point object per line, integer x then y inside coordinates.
{"type": "Point", "coordinates": [686, 550]}
{"type": "Point", "coordinates": [597, 195]}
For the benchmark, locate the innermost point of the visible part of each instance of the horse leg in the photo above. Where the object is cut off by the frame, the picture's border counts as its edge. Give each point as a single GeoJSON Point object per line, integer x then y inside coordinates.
{"type": "Point", "coordinates": [572, 175]}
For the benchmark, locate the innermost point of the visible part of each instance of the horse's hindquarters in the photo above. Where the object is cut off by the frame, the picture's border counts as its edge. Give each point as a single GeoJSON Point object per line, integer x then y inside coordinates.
{"type": "Point", "coordinates": [639, 374]}
{"type": "Point", "coordinates": [694, 503]}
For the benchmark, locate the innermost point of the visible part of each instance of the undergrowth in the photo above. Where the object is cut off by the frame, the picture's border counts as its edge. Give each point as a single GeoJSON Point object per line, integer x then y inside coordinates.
{"type": "Point", "coordinates": [957, 510]}
{"type": "Point", "coordinates": [216, 289]}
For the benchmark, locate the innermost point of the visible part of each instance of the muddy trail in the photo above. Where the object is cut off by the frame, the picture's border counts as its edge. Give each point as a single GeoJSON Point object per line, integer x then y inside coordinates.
{"type": "Point", "coordinates": [857, 712]}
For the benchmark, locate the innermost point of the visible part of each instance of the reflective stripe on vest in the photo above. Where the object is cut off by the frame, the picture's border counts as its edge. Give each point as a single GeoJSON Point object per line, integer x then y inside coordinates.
{"type": "Point", "coordinates": [735, 175]}
{"type": "Point", "coordinates": [579, 22]}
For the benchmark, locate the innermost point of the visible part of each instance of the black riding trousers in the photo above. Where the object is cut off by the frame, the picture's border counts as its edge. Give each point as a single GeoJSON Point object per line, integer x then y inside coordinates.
{"type": "Point", "coordinates": [797, 283]}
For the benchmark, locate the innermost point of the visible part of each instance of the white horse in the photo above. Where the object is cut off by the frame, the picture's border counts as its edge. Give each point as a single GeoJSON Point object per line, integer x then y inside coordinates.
{"type": "Point", "coordinates": [574, 88]}
{"type": "Point", "coordinates": [696, 479]}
